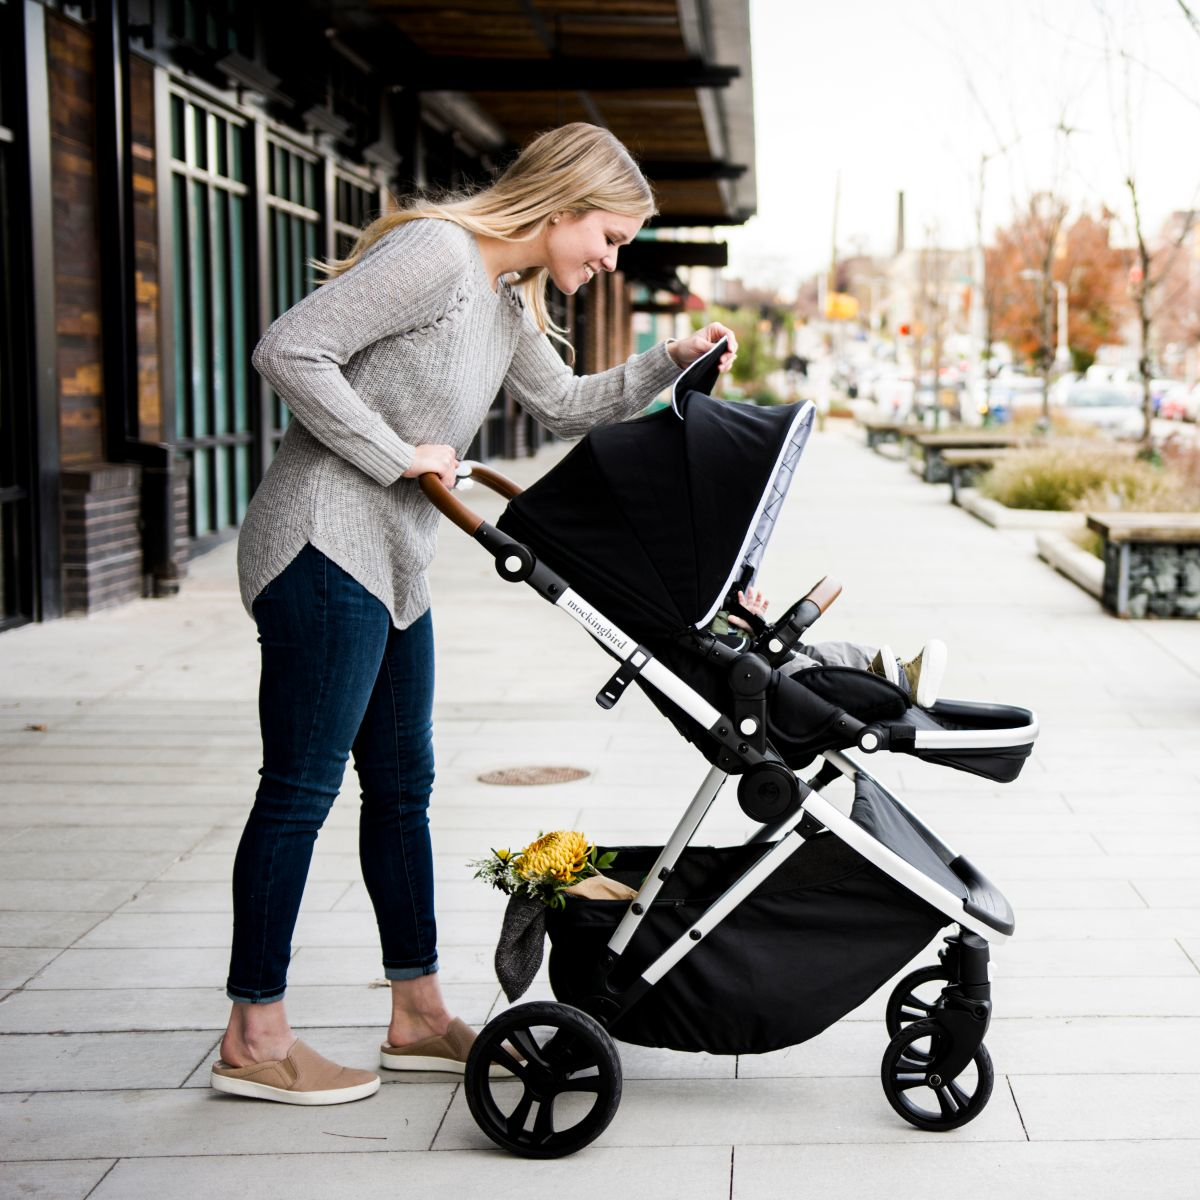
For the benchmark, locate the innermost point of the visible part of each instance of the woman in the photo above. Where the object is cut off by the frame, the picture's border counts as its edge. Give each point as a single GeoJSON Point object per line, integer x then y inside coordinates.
{"type": "Point", "coordinates": [389, 369]}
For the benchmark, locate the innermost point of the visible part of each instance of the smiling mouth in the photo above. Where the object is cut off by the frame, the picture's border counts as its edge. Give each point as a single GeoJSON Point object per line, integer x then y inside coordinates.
{"type": "Point", "coordinates": [589, 274]}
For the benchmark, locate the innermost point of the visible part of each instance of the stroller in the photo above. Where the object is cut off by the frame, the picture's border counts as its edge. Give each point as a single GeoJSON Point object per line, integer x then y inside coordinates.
{"type": "Point", "coordinates": [751, 948]}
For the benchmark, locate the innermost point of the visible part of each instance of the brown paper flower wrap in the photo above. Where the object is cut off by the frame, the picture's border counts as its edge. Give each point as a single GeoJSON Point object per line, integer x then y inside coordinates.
{"type": "Point", "coordinates": [556, 865]}
{"type": "Point", "coordinates": [550, 867]}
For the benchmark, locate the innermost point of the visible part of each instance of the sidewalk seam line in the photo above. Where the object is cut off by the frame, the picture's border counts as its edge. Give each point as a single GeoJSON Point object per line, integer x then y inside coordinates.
{"type": "Point", "coordinates": [111, 1168]}
{"type": "Point", "coordinates": [1017, 1106]}
{"type": "Point", "coordinates": [1179, 943]}
{"type": "Point", "coordinates": [445, 1114]}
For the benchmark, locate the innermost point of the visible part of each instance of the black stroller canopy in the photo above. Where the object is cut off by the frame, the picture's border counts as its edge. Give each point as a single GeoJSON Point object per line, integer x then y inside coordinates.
{"type": "Point", "coordinates": [654, 520]}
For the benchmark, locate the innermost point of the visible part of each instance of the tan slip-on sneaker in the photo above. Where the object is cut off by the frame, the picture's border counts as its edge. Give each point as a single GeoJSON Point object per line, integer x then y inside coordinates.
{"type": "Point", "coordinates": [303, 1077]}
{"type": "Point", "coordinates": [447, 1052]}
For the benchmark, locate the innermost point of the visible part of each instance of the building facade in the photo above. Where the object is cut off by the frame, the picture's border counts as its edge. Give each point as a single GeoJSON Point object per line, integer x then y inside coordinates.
{"type": "Point", "coordinates": [169, 171]}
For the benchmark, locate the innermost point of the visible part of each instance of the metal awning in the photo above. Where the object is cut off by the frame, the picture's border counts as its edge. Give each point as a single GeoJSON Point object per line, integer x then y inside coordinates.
{"type": "Point", "coordinates": [671, 78]}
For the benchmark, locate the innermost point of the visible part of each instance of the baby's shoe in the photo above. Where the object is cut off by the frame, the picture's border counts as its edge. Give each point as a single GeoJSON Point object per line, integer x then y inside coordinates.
{"type": "Point", "coordinates": [885, 664]}
{"type": "Point", "coordinates": [924, 673]}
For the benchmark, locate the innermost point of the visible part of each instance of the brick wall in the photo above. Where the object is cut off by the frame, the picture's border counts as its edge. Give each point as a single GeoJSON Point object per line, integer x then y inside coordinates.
{"type": "Point", "coordinates": [102, 545]}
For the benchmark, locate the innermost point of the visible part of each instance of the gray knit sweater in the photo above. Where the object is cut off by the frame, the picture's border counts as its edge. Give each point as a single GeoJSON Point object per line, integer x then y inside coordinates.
{"type": "Point", "coordinates": [410, 346]}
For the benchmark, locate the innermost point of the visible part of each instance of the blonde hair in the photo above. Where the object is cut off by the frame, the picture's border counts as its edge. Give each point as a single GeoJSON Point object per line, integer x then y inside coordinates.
{"type": "Point", "coordinates": [573, 169]}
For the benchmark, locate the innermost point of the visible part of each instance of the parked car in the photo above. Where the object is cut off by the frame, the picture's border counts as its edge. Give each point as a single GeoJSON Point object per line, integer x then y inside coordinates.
{"type": "Point", "coordinates": [1161, 390]}
{"type": "Point", "coordinates": [1179, 404]}
{"type": "Point", "coordinates": [1114, 408]}
{"type": "Point", "coordinates": [1011, 389]}
{"type": "Point", "coordinates": [892, 391]}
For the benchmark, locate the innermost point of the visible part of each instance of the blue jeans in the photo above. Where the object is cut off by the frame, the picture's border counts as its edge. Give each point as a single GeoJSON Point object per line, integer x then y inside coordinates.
{"type": "Point", "coordinates": [336, 676]}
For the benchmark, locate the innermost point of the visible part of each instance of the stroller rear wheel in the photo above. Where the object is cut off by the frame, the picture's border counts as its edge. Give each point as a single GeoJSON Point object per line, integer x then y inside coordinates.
{"type": "Point", "coordinates": [915, 997]}
{"type": "Point", "coordinates": [910, 1083]}
{"type": "Point", "coordinates": [560, 1096]}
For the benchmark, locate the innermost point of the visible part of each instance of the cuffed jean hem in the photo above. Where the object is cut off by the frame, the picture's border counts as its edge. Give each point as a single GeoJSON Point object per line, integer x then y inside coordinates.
{"type": "Point", "coordinates": [399, 973]}
{"type": "Point", "coordinates": [254, 997]}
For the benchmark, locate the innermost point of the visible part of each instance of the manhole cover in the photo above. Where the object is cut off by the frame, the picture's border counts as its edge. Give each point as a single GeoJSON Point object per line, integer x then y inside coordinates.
{"type": "Point", "coordinates": [529, 776]}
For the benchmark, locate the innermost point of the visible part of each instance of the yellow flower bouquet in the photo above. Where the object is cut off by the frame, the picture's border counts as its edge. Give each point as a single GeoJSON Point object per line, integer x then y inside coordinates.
{"type": "Point", "coordinates": [545, 868]}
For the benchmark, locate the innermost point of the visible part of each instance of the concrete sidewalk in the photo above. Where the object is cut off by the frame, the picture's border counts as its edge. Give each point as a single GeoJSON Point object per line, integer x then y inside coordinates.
{"type": "Point", "coordinates": [128, 751]}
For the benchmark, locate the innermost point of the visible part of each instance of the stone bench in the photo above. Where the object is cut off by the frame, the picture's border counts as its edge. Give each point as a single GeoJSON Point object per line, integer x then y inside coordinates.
{"type": "Point", "coordinates": [935, 445]}
{"type": "Point", "coordinates": [965, 466]}
{"type": "Point", "coordinates": [1151, 563]}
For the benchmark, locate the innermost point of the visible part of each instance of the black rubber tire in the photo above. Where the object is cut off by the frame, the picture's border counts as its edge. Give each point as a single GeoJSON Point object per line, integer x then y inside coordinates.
{"type": "Point", "coordinates": [905, 1069]}
{"type": "Point", "coordinates": [904, 1004]}
{"type": "Point", "coordinates": [564, 1050]}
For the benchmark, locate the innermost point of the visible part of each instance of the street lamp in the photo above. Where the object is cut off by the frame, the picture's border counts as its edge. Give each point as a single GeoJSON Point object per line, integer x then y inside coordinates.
{"type": "Point", "coordinates": [1062, 356]}
{"type": "Point", "coordinates": [1062, 353]}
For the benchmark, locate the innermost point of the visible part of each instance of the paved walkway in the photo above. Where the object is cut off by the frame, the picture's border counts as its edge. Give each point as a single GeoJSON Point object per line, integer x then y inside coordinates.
{"type": "Point", "coordinates": [128, 748]}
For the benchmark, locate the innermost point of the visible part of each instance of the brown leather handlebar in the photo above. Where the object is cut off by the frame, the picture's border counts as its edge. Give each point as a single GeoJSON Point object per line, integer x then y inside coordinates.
{"type": "Point", "coordinates": [448, 504]}
{"type": "Point", "coordinates": [500, 484]}
{"type": "Point", "coordinates": [824, 593]}
{"type": "Point", "coordinates": [453, 509]}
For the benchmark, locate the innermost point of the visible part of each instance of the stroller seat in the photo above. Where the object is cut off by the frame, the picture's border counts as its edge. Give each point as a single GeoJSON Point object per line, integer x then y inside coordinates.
{"type": "Point", "coordinates": [989, 740]}
{"type": "Point", "coordinates": [804, 717]}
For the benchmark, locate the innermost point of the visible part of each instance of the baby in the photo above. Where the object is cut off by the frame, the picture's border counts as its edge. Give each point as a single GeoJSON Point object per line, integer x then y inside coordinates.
{"type": "Point", "coordinates": [920, 677]}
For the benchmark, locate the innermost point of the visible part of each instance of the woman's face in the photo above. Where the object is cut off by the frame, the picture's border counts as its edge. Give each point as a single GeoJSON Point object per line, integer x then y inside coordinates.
{"type": "Point", "coordinates": [579, 247]}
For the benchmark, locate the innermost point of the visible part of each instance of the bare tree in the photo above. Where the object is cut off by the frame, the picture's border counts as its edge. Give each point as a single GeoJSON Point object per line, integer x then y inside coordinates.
{"type": "Point", "coordinates": [1192, 19]}
{"type": "Point", "coordinates": [1155, 264]}
{"type": "Point", "coordinates": [1038, 235]}
{"type": "Point", "coordinates": [1154, 268]}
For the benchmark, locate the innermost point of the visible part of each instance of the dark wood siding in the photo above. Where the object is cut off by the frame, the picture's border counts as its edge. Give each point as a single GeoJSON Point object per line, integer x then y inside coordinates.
{"type": "Point", "coordinates": [76, 240]}
{"type": "Point", "coordinates": [145, 230]}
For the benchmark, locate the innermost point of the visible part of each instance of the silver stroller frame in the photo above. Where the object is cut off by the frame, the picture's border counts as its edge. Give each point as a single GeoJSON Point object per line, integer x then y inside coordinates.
{"type": "Point", "coordinates": [934, 1038]}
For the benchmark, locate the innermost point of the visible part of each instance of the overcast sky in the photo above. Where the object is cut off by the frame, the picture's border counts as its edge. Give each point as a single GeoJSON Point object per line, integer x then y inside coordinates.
{"type": "Point", "coordinates": [909, 94]}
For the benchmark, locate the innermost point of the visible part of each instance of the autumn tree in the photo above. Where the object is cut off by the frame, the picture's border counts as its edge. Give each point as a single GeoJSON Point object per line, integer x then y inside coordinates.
{"type": "Point", "coordinates": [1095, 272]}
{"type": "Point", "coordinates": [1079, 255]}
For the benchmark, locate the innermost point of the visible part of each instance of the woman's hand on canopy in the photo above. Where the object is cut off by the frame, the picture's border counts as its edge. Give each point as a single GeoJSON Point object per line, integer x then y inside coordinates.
{"type": "Point", "coordinates": [685, 351]}
{"type": "Point", "coordinates": [441, 461]}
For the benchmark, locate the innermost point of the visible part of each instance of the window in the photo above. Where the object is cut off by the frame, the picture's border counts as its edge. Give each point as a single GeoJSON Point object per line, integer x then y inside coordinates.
{"type": "Point", "coordinates": [212, 370]}
{"type": "Point", "coordinates": [293, 227]}
{"type": "Point", "coordinates": [16, 399]}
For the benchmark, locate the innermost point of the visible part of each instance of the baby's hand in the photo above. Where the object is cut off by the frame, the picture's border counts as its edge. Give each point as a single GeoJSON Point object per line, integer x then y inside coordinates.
{"type": "Point", "coordinates": [753, 601]}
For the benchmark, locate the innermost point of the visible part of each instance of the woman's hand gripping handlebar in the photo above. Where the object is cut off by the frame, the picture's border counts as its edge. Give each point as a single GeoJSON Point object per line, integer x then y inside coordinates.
{"type": "Point", "coordinates": [451, 507]}
{"type": "Point", "coordinates": [514, 561]}
{"type": "Point", "coordinates": [776, 642]}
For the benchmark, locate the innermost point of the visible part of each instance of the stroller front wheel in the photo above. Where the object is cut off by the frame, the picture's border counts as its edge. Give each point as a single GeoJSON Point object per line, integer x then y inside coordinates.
{"type": "Point", "coordinates": [910, 1083]}
{"type": "Point", "coordinates": [560, 1095]}
{"type": "Point", "coordinates": [913, 999]}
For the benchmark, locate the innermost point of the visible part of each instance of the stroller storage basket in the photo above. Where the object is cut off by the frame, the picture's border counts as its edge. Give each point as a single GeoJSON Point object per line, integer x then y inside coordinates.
{"type": "Point", "coordinates": [814, 941]}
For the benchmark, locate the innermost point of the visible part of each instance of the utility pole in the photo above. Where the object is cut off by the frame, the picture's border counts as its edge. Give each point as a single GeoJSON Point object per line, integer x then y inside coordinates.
{"type": "Point", "coordinates": [1062, 356]}
{"type": "Point", "coordinates": [837, 197]}
{"type": "Point", "coordinates": [981, 351]}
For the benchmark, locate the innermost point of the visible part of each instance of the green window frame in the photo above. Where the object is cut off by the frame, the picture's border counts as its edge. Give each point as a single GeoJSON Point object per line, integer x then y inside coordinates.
{"type": "Point", "coordinates": [210, 196]}
{"type": "Point", "coordinates": [294, 200]}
